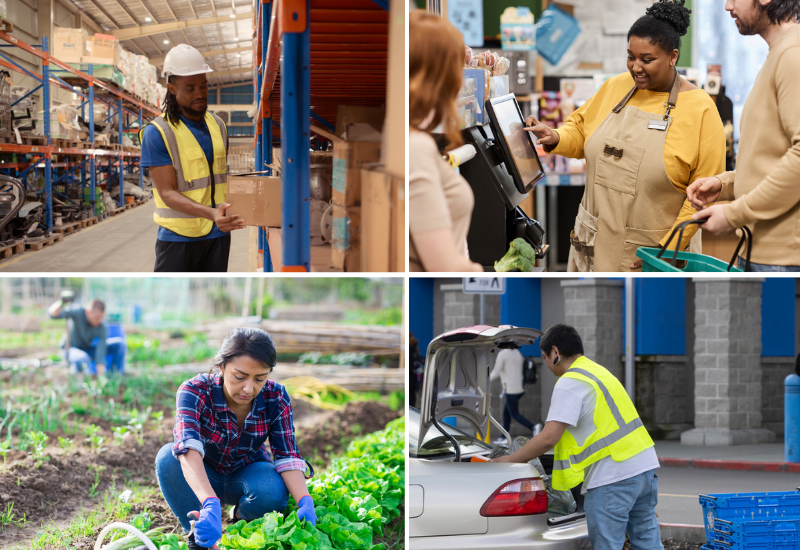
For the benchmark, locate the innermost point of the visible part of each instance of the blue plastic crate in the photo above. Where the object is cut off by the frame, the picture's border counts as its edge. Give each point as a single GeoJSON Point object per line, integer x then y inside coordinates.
{"type": "Point", "coordinates": [748, 507]}
{"type": "Point", "coordinates": [782, 533]}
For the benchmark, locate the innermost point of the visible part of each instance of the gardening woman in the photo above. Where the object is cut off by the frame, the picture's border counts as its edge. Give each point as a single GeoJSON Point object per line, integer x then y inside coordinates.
{"type": "Point", "coordinates": [220, 456]}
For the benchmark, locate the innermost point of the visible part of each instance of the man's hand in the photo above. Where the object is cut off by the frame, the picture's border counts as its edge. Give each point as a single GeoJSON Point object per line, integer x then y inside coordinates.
{"type": "Point", "coordinates": [208, 528]}
{"type": "Point", "coordinates": [225, 223]}
{"type": "Point", "coordinates": [703, 191]}
{"type": "Point", "coordinates": [716, 220]}
{"type": "Point", "coordinates": [546, 135]}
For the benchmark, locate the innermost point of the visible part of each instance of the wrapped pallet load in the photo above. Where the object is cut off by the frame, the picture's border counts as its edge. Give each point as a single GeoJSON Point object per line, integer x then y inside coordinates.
{"type": "Point", "coordinates": [69, 45]}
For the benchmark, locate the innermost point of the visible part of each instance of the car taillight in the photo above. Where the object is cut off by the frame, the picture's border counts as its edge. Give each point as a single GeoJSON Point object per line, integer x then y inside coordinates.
{"type": "Point", "coordinates": [521, 497]}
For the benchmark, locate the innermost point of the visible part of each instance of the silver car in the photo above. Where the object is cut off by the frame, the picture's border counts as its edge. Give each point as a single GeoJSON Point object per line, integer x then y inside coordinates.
{"type": "Point", "coordinates": [454, 501]}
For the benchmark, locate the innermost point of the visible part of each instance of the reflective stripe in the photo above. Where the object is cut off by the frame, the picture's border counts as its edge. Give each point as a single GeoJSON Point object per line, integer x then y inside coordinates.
{"type": "Point", "coordinates": [170, 213]}
{"type": "Point", "coordinates": [611, 404]}
{"type": "Point", "coordinates": [600, 444]}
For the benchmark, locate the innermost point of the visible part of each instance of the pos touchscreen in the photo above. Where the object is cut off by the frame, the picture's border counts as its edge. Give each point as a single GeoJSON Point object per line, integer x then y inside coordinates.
{"type": "Point", "coordinates": [518, 146]}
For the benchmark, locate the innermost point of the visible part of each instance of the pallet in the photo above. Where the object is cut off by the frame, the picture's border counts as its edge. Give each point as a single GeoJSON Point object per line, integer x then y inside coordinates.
{"type": "Point", "coordinates": [116, 211]}
{"type": "Point", "coordinates": [38, 244]}
{"type": "Point", "coordinates": [8, 26]}
{"type": "Point", "coordinates": [68, 228]}
{"type": "Point", "coordinates": [12, 250]}
{"type": "Point", "coordinates": [88, 222]}
{"type": "Point", "coordinates": [115, 147]}
{"type": "Point", "coordinates": [132, 149]}
{"type": "Point", "coordinates": [31, 139]}
{"type": "Point", "coordinates": [65, 143]}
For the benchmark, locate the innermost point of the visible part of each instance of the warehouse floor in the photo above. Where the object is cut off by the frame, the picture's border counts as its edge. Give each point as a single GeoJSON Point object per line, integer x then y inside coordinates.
{"type": "Point", "coordinates": [123, 243]}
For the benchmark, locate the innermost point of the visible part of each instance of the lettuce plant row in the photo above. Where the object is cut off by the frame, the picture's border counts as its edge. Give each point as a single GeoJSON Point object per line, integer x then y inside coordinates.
{"type": "Point", "coordinates": [354, 499]}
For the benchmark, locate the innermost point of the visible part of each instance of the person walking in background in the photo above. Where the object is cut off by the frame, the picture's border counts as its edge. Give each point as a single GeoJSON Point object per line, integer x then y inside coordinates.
{"type": "Point", "coordinates": [508, 367]}
{"type": "Point", "coordinates": [764, 189]}
{"type": "Point", "coordinates": [86, 333]}
{"type": "Point", "coordinates": [599, 441]}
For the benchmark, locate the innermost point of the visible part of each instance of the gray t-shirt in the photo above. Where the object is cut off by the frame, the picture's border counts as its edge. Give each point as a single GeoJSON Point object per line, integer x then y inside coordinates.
{"type": "Point", "coordinates": [573, 404]}
{"type": "Point", "coordinates": [82, 334]}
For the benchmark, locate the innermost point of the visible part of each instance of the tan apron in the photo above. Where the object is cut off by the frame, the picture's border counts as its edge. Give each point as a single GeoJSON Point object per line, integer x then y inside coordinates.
{"type": "Point", "coordinates": [629, 199]}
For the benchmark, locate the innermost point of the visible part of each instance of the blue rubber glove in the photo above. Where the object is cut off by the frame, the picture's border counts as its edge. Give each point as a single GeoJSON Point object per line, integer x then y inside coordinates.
{"type": "Point", "coordinates": [208, 529]}
{"type": "Point", "coordinates": [306, 510]}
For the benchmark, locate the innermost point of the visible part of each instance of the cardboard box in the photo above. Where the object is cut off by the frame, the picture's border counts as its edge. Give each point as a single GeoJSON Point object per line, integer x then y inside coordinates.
{"type": "Point", "coordinates": [104, 49]}
{"type": "Point", "coordinates": [357, 114]}
{"type": "Point", "coordinates": [346, 238]}
{"type": "Point", "coordinates": [397, 261]}
{"type": "Point", "coordinates": [393, 150]}
{"type": "Point", "coordinates": [257, 199]}
{"type": "Point", "coordinates": [275, 241]}
{"type": "Point", "coordinates": [376, 219]}
{"type": "Point", "coordinates": [348, 159]}
{"type": "Point", "coordinates": [69, 45]}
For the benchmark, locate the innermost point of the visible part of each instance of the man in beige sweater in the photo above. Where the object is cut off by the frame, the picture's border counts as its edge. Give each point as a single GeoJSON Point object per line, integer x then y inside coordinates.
{"type": "Point", "coordinates": [765, 187]}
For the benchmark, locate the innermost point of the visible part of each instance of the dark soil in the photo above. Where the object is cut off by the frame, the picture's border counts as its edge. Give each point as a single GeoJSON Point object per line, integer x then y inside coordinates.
{"type": "Point", "coordinates": [670, 544]}
{"type": "Point", "coordinates": [62, 486]}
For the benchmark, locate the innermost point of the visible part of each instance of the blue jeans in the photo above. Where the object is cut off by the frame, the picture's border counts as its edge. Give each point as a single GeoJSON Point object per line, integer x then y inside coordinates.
{"type": "Point", "coordinates": [627, 505]}
{"type": "Point", "coordinates": [765, 268]}
{"type": "Point", "coordinates": [83, 360]}
{"type": "Point", "coordinates": [511, 410]}
{"type": "Point", "coordinates": [257, 488]}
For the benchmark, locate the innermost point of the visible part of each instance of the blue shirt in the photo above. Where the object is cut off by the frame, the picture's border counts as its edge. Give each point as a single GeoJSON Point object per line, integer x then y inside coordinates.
{"type": "Point", "coordinates": [155, 153]}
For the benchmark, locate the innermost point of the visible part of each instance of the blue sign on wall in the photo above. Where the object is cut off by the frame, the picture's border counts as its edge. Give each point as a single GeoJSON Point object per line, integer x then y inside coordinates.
{"type": "Point", "coordinates": [420, 311]}
{"type": "Point", "coordinates": [660, 316]}
{"type": "Point", "coordinates": [521, 306]}
{"type": "Point", "coordinates": [777, 317]}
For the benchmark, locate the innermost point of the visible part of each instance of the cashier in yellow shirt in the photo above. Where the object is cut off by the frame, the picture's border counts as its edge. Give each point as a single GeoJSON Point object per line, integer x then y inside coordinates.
{"type": "Point", "coordinates": [646, 135]}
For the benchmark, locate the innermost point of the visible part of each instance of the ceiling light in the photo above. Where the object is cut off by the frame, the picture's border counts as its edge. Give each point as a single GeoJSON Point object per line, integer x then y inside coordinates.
{"type": "Point", "coordinates": [238, 55]}
{"type": "Point", "coordinates": [147, 19]}
{"type": "Point", "coordinates": [166, 41]}
{"type": "Point", "coordinates": [233, 16]}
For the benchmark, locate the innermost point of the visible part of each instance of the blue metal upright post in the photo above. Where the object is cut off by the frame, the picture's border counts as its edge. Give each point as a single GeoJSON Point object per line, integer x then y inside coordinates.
{"type": "Point", "coordinates": [48, 176]}
{"type": "Point", "coordinates": [120, 159]}
{"type": "Point", "coordinates": [141, 172]}
{"type": "Point", "coordinates": [92, 165]}
{"type": "Point", "coordinates": [295, 132]}
{"type": "Point", "coordinates": [264, 149]}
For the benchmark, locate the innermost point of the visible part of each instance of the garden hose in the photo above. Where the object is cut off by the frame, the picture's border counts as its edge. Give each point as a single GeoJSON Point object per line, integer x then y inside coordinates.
{"type": "Point", "coordinates": [130, 528]}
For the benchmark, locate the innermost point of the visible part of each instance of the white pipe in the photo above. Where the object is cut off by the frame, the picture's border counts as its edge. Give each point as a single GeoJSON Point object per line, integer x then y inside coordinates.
{"type": "Point", "coordinates": [130, 528]}
{"type": "Point", "coordinates": [630, 341]}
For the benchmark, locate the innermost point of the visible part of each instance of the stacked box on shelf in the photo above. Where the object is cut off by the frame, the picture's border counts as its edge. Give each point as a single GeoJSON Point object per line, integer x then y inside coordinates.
{"type": "Point", "coordinates": [725, 514]}
{"type": "Point", "coordinates": [69, 45]}
{"type": "Point", "coordinates": [104, 49]}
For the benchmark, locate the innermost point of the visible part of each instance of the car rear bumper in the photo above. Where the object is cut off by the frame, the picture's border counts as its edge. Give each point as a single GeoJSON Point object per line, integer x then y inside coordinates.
{"type": "Point", "coordinates": [569, 537]}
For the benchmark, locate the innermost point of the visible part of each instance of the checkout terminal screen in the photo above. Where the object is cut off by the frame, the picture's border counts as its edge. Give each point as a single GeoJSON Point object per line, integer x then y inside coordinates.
{"type": "Point", "coordinates": [518, 140]}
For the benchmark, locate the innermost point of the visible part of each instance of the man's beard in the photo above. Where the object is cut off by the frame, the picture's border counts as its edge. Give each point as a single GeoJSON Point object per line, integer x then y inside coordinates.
{"type": "Point", "coordinates": [757, 25]}
{"type": "Point", "coordinates": [194, 112]}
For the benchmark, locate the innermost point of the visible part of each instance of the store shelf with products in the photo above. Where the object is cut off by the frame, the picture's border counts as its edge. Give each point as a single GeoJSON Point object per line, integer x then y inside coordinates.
{"type": "Point", "coordinates": [65, 170]}
{"type": "Point", "coordinates": [313, 57]}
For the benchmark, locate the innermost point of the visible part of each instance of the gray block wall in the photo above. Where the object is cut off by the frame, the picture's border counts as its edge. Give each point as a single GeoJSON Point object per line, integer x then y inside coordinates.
{"type": "Point", "coordinates": [727, 363]}
{"type": "Point", "coordinates": [774, 371]}
{"type": "Point", "coordinates": [664, 397]}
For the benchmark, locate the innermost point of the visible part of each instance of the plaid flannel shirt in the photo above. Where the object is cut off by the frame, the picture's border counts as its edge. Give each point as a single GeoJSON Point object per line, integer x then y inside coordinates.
{"type": "Point", "coordinates": [205, 423]}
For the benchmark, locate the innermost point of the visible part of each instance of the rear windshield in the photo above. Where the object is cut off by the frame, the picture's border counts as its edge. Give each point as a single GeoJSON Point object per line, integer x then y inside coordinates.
{"type": "Point", "coordinates": [437, 445]}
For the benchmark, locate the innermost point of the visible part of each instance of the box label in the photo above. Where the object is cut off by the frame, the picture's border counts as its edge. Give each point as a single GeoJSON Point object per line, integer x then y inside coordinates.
{"type": "Point", "coordinates": [241, 186]}
{"type": "Point", "coordinates": [339, 174]}
{"type": "Point", "coordinates": [341, 233]}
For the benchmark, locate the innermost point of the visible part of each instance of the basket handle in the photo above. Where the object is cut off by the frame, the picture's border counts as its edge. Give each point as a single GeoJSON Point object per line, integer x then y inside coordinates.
{"type": "Point", "coordinates": [712, 497]}
{"type": "Point", "coordinates": [746, 234]}
{"type": "Point", "coordinates": [682, 228]}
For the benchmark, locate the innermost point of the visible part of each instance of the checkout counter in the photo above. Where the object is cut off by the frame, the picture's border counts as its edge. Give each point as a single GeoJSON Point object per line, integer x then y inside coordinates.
{"type": "Point", "coordinates": [504, 170]}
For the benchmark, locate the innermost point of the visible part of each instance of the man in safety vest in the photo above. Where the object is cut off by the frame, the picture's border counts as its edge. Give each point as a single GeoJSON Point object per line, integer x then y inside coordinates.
{"type": "Point", "coordinates": [599, 441]}
{"type": "Point", "coordinates": [185, 150]}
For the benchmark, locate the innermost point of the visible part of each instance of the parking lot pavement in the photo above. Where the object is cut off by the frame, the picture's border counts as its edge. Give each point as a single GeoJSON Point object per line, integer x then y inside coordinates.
{"type": "Point", "coordinates": [679, 489]}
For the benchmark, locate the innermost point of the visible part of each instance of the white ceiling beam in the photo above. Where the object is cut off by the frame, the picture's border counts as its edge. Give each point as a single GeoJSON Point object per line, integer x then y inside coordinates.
{"type": "Point", "coordinates": [147, 30]}
{"type": "Point", "coordinates": [219, 108]}
{"type": "Point", "coordinates": [160, 60]}
{"type": "Point", "coordinates": [232, 72]}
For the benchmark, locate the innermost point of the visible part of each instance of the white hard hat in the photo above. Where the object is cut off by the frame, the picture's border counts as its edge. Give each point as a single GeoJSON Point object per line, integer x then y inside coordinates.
{"type": "Point", "coordinates": [184, 60]}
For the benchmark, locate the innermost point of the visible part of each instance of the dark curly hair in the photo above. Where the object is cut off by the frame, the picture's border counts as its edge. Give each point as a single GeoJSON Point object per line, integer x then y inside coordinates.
{"type": "Point", "coordinates": [249, 342]}
{"type": "Point", "coordinates": [171, 110]}
{"type": "Point", "coordinates": [663, 24]}
{"type": "Point", "coordinates": [781, 11]}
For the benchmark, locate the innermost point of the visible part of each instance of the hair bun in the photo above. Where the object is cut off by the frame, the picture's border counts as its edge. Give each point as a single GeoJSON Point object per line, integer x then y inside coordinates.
{"type": "Point", "coordinates": [673, 12]}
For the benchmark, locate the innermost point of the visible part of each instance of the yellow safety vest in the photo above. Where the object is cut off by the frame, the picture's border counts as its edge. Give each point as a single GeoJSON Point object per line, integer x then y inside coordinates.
{"type": "Point", "coordinates": [618, 432]}
{"type": "Point", "coordinates": [192, 170]}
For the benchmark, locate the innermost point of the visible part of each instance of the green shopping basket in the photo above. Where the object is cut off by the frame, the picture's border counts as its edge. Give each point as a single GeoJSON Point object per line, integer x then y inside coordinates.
{"type": "Point", "coordinates": [652, 260]}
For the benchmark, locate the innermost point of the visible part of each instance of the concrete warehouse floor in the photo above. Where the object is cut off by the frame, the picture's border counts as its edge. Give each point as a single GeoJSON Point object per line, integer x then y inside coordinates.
{"type": "Point", "coordinates": [122, 243]}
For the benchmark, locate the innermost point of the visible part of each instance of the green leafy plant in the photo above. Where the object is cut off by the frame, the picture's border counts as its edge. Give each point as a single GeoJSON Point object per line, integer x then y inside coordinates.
{"type": "Point", "coordinates": [10, 518]}
{"type": "Point", "coordinates": [5, 446]}
{"type": "Point", "coordinates": [37, 441]}
{"type": "Point", "coordinates": [65, 444]}
{"type": "Point", "coordinates": [120, 433]}
{"type": "Point", "coordinates": [97, 471]}
{"type": "Point", "coordinates": [137, 423]}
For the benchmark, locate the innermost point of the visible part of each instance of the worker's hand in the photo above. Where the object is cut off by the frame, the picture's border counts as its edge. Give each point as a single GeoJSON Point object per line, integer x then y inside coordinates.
{"type": "Point", "coordinates": [546, 135]}
{"type": "Point", "coordinates": [503, 459]}
{"type": "Point", "coordinates": [636, 266]}
{"type": "Point", "coordinates": [208, 528]}
{"type": "Point", "coordinates": [703, 191]}
{"type": "Point", "coordinates": [306, 510]}
{"type": "Point", "coordinates": [225, 223]}
{"type": "Point", "coordinates": [716, 220]}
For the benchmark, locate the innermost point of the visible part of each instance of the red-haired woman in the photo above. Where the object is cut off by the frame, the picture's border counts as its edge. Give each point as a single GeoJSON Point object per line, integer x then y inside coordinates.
{"type": "Point", "coordinates": [440, 201]}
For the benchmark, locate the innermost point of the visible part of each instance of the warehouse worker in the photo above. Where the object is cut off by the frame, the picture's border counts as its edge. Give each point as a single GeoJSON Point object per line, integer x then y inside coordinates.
{"type": "Point", "coordinates": [764, 184]}
{"type": "Point", "coordinates": [220, 455]}
{"type": "Point", "coordinates": [186, 149]}
{"type": "Point", "coordinates": [86, 333]}
{"type": "Point", "coordinates": [646, 135]}
{"type": "Point", "coordinates": [508, 367]}
{"type": "Point", "coordinates": [599, 440]}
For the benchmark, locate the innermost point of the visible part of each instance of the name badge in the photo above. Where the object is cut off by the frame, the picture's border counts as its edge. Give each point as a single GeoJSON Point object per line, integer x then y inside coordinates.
{"type": "Point", "coordinates": [658, 125]}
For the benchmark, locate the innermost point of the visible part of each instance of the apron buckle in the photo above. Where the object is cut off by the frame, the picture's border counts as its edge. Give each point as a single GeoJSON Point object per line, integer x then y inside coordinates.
{"type": "Point", "coordinates": [580, 246]}
{"type": "Point", "coordinates": [613, 151]}
{"type": "Point", "coordinates": [669, 108]}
